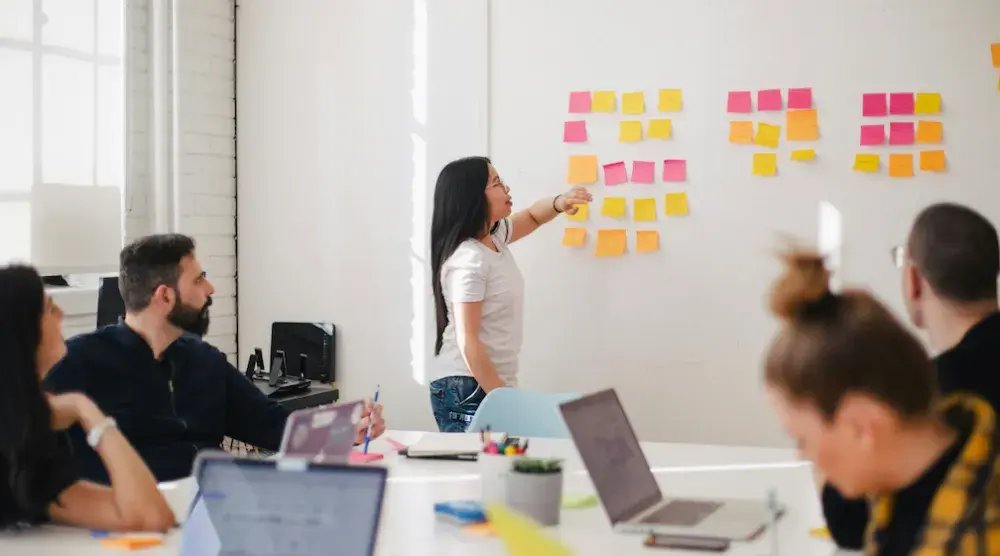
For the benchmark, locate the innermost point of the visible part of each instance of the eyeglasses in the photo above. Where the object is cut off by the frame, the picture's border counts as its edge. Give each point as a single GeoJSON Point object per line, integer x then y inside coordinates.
{"type": "Point", "coordinates": [898, 254]}
{"type": "Point", "coordinates": [500, 183]}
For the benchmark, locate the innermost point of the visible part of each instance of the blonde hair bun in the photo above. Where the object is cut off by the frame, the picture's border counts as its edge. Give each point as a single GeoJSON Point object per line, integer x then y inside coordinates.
{"type": "Point", "coordinates": [805, 281]}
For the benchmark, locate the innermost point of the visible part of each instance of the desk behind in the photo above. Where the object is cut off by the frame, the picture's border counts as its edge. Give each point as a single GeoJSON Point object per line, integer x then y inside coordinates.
{"type": "Point", "coordinates": [318, 394]}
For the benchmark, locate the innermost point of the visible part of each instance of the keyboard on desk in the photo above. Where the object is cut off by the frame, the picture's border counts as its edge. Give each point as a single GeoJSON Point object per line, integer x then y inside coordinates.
{"type": "Point", "coordinates": [682, 513]}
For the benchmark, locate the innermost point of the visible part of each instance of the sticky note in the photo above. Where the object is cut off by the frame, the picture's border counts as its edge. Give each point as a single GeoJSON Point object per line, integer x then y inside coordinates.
{"type": "Point", "coordinates": [804, 155]}
{"type": "Point", "coordinates": [610, 243]}
{"type": "Point", "coordinates": [739, 102]}
{"type": "Point", "coordinates": [927, 103]}
{"type": "Point", "coordinates": [874, 105]}
{"type": "Point", "coordinates": [901, 104]}
{"type": "Point", "coordinates": [131, 542]}
{"type": "Point", "coordinates": [579, 501]}
{"type": "Point", "coordinates": [603, 101]}
{"type": "Point", "coordinates": [676, 204]}
{"type": "Point", "coordinates": [800, 99]}
{"type": "Point", "coordinates": [574, 237]}
{"type": "Point", "coordinates": [615, 173]}
{"type": "Point", "coordinates": [522, 535]}
{"type": "Point", "coordinates": [644, 210]}
{"type": "Point", "coordinates": [769, 100]}
{"type": "Point", "coordinates": [647, 241]}
{"type": "Point", "coordinates": [901, 165]}
{"type": "Point", "coordinates": [358, 457]}
{"type": "Point", "coordinates": [674, 170]}
{"type": "Point", "coordinates": [741, 132]}
{"type": "Point", "coordinates": [633, 103]}
{"type": "Point", "coordinates": [582, 214]}
{"type": "Point", "coordinates": [765, 164]}
{"type": "Point", "coordinates": [820, 533]}
{"type": "Point", "coordinates": [575, 132]}
{"type": "Point", "coordinates": [659, 129]}
{"type": "Point", "coordinates": [872, 134]}
{"type": "Point", "coordinates": [901, 133]}
{"type": "Point", "coordinates": [995, 50]}
{"type": "Point", "coordinates": [643, 171]}
{"type": "Point", "coordinates": [932, 161]}
{"type": "Point", "coordinates": [802, 125]}
{"type": "Point", "coordinates": [670, 100]}
{"type": "Point", "coordinates": [582, 169]}
{"type": "Point", "coordinates": [630, 131]}
{"type": "Point", "coordinates": [579, 102]}
{"type": "Point", "coordinates": [767, 135]}
{"type": "Point", "coordinates": [484, 529]}
{"type": "Point", "coordinates": [613, 207]}
{"type": "Point", "coordinates": [866, 163]}
{"type": "Point", "coordinates": [929, 131]}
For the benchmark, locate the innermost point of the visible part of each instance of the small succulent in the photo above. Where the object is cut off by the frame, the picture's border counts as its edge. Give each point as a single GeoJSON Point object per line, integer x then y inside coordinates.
{"type": "Point", "coordinates": [537, 466]}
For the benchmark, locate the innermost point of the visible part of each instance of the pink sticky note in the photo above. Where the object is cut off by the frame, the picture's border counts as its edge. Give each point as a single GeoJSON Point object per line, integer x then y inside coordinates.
{"type": "Point", "coordinates": [643, 171]}
{"type": "Point", "coordinates": [800, 99]}
{"type": "Point", "coordinates": [872, 134]}
{"type": "Point", "coordinates": [769, 100]}
{"type": "Point", "coordinates": [579, 102]}
{"type": "Point", "coordinates": [575, 132]}
{"type": "Point", "coordinates": [615, 173]}
{"type": "Point", "coordinates": [901, 104]}
{"type": "Point", "coordinates": [396, 445]}
{"type": "Point", "coordinates": [358, 457]}
{"type": "Point", "coordinates": [674, 170]}
{"type": "Point", "coordinates": [901, 133]}
{"type": "Point", "coordinates": [739, 101]}
{"type": "Point", "coordinates": [873, 104]}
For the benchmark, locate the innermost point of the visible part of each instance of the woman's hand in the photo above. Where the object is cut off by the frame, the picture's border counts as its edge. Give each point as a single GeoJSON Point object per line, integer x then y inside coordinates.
{"type": "Point", "coordinates": [70, 409]}
{"type": "Point", "coordinates": [568, 202]}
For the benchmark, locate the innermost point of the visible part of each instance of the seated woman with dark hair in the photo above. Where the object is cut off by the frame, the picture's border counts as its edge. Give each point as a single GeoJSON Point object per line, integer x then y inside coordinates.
{"type": "Point", "coordinates": [38, 481]}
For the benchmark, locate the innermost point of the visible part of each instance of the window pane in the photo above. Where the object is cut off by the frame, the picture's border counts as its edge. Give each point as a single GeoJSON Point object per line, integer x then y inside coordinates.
{"type": "Point", "coordinates": [16, 130]}
{"type": "Point", "coordinates": [110, 127]}
{"type": "Point", "coordinates": [15, 19]}
{"type": "Point", "coordinates": [69, 23]}
{"type": "Point", "coordinates": [15, 231]}
{"type": "Point", "coordinates": [67, 121]}
{"type": "Point", "coordinates": [110, 27]}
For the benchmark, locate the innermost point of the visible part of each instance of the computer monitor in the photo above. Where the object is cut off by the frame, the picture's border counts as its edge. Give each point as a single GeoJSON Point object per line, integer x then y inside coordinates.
{"type": "Point", "coordinates": [110, 305]}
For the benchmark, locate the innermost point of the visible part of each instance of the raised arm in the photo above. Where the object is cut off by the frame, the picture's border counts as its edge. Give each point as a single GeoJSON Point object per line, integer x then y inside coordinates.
{"type": "Point", "coordinates": [527, 221]}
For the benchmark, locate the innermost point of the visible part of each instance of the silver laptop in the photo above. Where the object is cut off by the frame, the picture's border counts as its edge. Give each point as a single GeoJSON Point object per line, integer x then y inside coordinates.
{"type": "Point", "coordinates": [256, 507]}
{"type": "Point", "coordinates": [321, 434]}
{"type": "Point", "coordinates": [628, 490]}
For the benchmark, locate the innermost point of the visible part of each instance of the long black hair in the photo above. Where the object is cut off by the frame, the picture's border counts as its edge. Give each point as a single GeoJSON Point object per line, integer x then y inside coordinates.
{"type": "Point", "coordinates": [461, 212]}
{"type": "Point", "coordinates": [27, 441]}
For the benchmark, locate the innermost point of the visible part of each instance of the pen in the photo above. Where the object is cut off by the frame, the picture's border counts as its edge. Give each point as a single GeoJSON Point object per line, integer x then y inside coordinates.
{"type": "Point", "coordinates": [371, 420]}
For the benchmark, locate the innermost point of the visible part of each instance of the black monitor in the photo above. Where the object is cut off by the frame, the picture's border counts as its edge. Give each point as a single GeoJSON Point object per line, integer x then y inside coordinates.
{"type": "Point", "coordinates": [314, 340]}
{"type": "Point", "coordinates": [110, 306]}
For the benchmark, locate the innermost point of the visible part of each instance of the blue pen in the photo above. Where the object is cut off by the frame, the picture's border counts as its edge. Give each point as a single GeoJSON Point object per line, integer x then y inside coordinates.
{"type": "Point", "coordinates": [371, 420]}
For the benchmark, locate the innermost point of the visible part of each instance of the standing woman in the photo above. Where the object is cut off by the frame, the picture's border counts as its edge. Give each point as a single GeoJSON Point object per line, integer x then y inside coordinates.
{"type": "Point", "coordinates": [478, 289]}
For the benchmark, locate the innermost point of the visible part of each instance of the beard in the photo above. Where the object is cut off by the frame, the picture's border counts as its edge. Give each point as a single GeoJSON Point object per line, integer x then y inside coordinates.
{"type": "Point", "coordinates": [190, 319]}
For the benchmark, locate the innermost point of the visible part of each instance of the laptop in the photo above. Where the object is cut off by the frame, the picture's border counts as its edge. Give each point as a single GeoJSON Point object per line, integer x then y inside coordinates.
{"type": "Point", "coordinates": [254, 507]}
{"type": "Point", "coordinates": [628, 490]}
{"type": "Point", "coordinates": [323, 433]}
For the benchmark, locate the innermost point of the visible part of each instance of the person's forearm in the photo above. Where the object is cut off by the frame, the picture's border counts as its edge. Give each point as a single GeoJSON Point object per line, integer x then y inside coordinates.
{"type": "Point", "coordinates": [543, 211]}
{"type": "Point", "coordinates": [479, 362]}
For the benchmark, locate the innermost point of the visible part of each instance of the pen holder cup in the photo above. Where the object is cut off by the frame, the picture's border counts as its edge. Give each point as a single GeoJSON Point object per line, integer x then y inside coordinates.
{"type": "Point", "coordinates": [493, 472]}
{"type": "Point", "coordinates": [536, 495]}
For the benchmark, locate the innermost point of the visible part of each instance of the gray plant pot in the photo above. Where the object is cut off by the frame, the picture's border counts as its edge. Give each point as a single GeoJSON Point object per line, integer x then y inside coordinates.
{"type": "Point", "coordinates": [537, 495]}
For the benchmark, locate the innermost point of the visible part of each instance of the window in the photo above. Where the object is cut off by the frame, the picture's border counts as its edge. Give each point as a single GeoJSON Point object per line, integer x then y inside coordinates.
{"type": "Point", "coordinates": [63, 113]}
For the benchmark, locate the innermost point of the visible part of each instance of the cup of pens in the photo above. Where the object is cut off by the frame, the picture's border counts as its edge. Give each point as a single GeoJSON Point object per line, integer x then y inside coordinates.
{"type": "Point", "coordinates": [496, 460]}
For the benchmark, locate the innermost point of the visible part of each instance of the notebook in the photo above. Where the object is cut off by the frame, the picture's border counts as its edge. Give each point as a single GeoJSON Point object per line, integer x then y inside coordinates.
{"type": "Point", "coordinates": [445, 446]}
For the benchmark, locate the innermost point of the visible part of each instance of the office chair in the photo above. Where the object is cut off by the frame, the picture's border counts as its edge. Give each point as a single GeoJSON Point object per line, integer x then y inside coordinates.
{"type": "Point", "coordinates": [522, 413]}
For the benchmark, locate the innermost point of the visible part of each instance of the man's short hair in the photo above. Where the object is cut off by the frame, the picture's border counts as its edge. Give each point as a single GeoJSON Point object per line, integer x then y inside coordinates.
{"type": "Point", "coordinates": [956, 250]}
{"type": "Point", "coordinates": [148, 263]}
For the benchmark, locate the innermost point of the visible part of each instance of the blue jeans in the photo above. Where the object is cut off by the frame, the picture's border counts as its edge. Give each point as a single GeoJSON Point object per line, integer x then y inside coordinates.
{"type": "Point", "coordinates": [454, 400]}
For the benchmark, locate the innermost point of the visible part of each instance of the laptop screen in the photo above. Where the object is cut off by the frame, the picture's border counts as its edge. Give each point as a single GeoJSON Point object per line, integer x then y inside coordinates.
{"type": "Point", "coordinates": [611, 453]}
{"type": "Point", "coordinates": [253, 507]}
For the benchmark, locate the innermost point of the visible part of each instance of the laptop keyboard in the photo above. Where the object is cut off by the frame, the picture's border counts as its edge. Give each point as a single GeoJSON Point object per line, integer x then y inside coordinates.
{"type": "Point", "coordinates": [682, 513]}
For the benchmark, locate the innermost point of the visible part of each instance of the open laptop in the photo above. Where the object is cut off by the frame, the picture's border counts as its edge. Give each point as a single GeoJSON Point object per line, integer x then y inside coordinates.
{"type": "Point", "coordinates": [254, 507]}
{"type": "Point", "coordinates": [628, 490]}
{"type": "Point", "coordinates": [323, 433]}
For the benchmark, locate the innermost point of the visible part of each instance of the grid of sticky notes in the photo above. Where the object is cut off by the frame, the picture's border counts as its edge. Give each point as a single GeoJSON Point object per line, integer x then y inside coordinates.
{"type": "Point", "coordinates": [801, 124]}
{"type": "Point", "coordinates": [587, 169]}
{"type": "Point", "coordinates": [912, 123]}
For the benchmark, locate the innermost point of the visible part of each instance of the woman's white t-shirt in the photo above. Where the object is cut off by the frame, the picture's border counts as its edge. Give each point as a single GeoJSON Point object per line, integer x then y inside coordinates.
{"type": "Point", "coordinates": [474, 272]}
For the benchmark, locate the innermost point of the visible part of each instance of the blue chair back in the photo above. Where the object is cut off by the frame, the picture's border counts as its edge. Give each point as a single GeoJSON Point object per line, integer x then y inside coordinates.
{"type": "Point", "coordinates": [522, 413]}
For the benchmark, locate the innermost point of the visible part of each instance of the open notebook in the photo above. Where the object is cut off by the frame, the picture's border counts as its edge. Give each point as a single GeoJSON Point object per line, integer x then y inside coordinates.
{"type": "Point", "coordinates": [445, 446]}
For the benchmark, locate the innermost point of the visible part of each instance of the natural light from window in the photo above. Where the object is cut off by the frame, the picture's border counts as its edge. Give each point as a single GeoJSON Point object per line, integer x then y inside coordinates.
{"type": "Point", "coordinates": [420, 227]}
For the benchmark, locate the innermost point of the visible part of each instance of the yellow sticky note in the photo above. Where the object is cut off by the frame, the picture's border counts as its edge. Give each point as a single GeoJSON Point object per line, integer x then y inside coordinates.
{"type": "Point", "coordinates": [765, 164]}
{"type": "Point", "coordinates": [932, 161]}
{"type": "Point", "coordinates": [613, 207]}
{"type": "Point", "coordinates": [670, 100]}
{"type": "Point", "coordinates": [901, 165]}
{"type": "Point", "coordinates": [633, 103]}
{"type": "Point", "coordinates": [630, 131]}
{"type": "Point", "coordinates": [574, 237]}
{"type": "Point", "coordinates": [927, 103]}
{"type": "Point", "coordinates": [802, 125]}
{"type": "Point", "coordinates": [741, 132]}
{"type": "Point", "coordinates": [929, 132]}
{"type": "Point", "coordinates": [610, 243]}
{"type": "Point", "coordinates": [995, 52]}
{"type": "Point", "coordinates": [767, 135]}
{"type": "Point", "coordinates": [659, 129]}
{"type": "Point", "coordinates": [820, 533]}
{"type": "Point", "coordinates": [866, 163]}
{"type": "Point", "coordinates": [522, 535]}
{"type": "Point", "coordinates": [645, 210]}
{"type": "Point", "coordinates": [603, 101]}
{"type": "Point", "coordinates": [582, 169]}
{"type": "Point", "coordinates": [647, 241]}
{"type": "Point", "coordinates": [804, 155]}
{"type": "Point", "coordinates": [677, 204]}
{"type": "Point", "coordinates": [581, 215]}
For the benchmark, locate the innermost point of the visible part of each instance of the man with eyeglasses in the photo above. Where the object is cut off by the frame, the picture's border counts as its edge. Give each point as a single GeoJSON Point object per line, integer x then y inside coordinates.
{"type": "Point", "coordinates": [949, 270]}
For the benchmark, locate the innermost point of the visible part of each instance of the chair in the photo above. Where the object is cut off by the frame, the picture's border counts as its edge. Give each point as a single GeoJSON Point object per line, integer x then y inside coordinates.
{"type": "Point", "coordinates": [522, 413]}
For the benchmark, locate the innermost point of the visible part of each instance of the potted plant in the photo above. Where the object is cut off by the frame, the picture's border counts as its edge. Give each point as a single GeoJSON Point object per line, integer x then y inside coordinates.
{"type": "Point", "coordinates": [535, 487]}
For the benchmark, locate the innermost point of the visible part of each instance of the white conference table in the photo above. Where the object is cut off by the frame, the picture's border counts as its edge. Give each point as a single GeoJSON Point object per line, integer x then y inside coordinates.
{"type": "Point", "coordinates": [409, 526]}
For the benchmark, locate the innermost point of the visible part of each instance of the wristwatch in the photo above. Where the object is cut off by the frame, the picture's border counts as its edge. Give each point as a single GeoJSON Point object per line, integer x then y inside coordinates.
{"type": "Point", "coordinates": [96, 433]}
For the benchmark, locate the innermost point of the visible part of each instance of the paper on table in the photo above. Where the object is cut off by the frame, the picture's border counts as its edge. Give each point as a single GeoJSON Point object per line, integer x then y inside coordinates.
{"type": "Point", "coordinates": [521, 535]}
{"type": "Point", "coordinates": [633, 103]}
{"type": "Point", "coordinates": [929, 131]}
{"type": "Point", "coordinates": [804, 155]}
{"type": "Point", "coordinates": [613, 207]}
{"type": "Point", "coordinates": [769, 100]}
{"type": "Point", "coordinates": [582, 169]}
{"type": "Point", "coordinates": [647, 241]}
{"type": "Point", "coordinates": [801, 98]}
{"type": "Point", "coordinates": [872, 134]}
{"type": "Point", "coordinates": [765, 164]}
{"type": "Point", "coordinates": [644, 210]}
{"type": "Point", "coordinates": [579, 102]}
{"type": "Point", "coordinates": [928, 103]}
{"type": "Point", "coordinates": [802, 125]}
{"type": "Point", "coordinates": [901, 133]}
{"type": "Point", "coordinates": [643, 171]}
{"type": "Point", "coordinates": [674, 170]}
{"type": "Point", "coordinates": [866, 163]}
{"type": "Point", "coordinates": [659, 129]}
{"type": "Point", "coordinates": [676, 204]}
{"type": "Point", "coordinates": [670, 100]}
{"type": "Point", "coordinates": [741, 132]}
{"type": "Point", "coordinates": [740, 102]}
{"type": "Point", "coordinates": [615, 173]}
{"type": "Point", "coordinates": [873, 104]}
{"type": "Point", "coordinates": [630, 131]}
{"type": "Point", "coordinates": [603, 101]}
{"type": "Point", "coordinates": [767, 135]}
{"type": "Point", "coordinates": [581, 215]}
{"type": "Point", "coordinates": [611, 243]}
{"type": "Point", "coordinates": [901, 165]}
{"type": "Point", "coordinates": [932, 161]}
{"type": "Point", "coordinates": [901, 104]}
{"type": "Point", "coordinates": [575, 131]}
{"type": "Point", "coordinates": [574, 237]}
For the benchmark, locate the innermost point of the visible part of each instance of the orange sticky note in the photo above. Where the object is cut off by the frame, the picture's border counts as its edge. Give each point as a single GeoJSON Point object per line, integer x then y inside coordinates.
{"type": "Point", "coordinates": [866, 163]}
{"type": "Point", "coordinates": [995, 49]}
{"type": "Point", "coordinates": [901, 165]}
{"type": "Point", "coordinates": [610, 243]}
{"type": "Point", "coordinates": [659, 129]}
{"type": "Point", "coordinates": [927, 103]}
{"type": "Point", "coordinates": [670, 100]}
{"type": "Point", "coordinates": [932, 161]}
{"type": "Point", "coordinates": [630, 131]}
{"type": "Point", "coordinates": [765, 164]}
{"type": "Point", "coordinates": [574, 237]}
{"type": "Point", "coordinates": [647, 241]}
{"type": "Point", "coordinates": [741, 132]}
{"type": "Point", "coordinates": [582, 169]}
{"type": "Point", "coordinates": [802, 125]}
{"type": "Point", "coordinates": [131, 543]}
{"type": "Point", "coordinates": [603, 101]}
{"type": "Point", "coordinates": [644, 210]}
{"type": "Point", "coordinates": [633, 103]}
{"type": "Point", "coordinates": [484, 529]}
{"type": "Point", "coordinates": [677, 204]}
{"type": "Point", "coordinates": [767, 135]}
{"type": "Point", "coordinates": [581, 215]}
{"type": "Point", "coordinates": [929, 131]}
